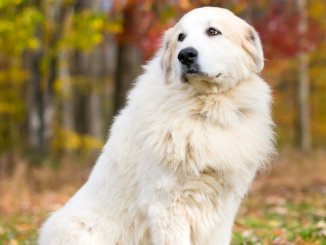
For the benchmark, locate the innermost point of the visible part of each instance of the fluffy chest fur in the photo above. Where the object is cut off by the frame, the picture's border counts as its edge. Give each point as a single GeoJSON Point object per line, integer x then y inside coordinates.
{"type": "Point", "coordinates": [189, 132]}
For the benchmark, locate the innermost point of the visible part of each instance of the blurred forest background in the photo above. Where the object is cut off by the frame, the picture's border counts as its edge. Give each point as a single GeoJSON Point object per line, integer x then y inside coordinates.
{"type": "Point", "coordinates": [65, 68]}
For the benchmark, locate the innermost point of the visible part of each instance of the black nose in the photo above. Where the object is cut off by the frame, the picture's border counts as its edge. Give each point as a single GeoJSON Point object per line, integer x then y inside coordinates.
{"type": "Point", "coordinates": [187, 56]}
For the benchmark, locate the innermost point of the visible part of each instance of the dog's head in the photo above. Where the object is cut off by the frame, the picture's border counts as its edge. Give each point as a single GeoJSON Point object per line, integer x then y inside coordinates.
{"type": "Point", "coordinates": [211, 48]}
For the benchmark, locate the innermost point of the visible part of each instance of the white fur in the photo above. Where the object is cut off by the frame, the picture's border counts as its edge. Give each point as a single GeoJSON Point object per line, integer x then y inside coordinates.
{"type": "Point", "coordinates": [181, 155]}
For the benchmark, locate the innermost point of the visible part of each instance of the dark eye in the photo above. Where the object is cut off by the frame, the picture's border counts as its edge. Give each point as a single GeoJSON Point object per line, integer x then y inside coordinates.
{"type": "Point", "coordinates": [213, 32]}
{"type": "Point", "coordinates": [181, 37]}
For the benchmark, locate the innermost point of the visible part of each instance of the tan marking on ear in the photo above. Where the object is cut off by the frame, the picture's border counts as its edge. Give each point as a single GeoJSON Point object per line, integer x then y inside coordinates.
{"type": "Point", "coordinates": [250, 36]}
{"type": "Point", "coordinates": [169, 47]}
{"type": "Point", "coordinates": [251, 44]}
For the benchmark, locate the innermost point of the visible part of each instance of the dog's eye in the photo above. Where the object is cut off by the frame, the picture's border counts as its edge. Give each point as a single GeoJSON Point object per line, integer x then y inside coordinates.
{"type": "Point", "coordinates": [213, 32]}
{"type": "Point", "coordinates": [181, 37]}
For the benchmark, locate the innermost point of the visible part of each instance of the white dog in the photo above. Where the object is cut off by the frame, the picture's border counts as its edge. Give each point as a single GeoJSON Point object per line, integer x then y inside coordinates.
{"type": "Point", "coordinates": [182, 154]}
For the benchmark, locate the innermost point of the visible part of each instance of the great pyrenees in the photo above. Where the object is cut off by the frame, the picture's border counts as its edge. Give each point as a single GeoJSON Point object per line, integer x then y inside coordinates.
{"type": "Point", "coordinates": [182, 154]}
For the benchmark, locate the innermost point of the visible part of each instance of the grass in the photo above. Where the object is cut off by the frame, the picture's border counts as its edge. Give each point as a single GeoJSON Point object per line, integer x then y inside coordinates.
{"type": "Point", "coordinates": [282, 220]}
{"type": "Point", "coordinates": [19, 229]}
{"type": "Point", "coordinates": [286, 206]}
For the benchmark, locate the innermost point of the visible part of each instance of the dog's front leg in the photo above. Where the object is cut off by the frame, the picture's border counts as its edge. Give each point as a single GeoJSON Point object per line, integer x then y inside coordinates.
{"type": "Point", "coordinates": [169, 225]}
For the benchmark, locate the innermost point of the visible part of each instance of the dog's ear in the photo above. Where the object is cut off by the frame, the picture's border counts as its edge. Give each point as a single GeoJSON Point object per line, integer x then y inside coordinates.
{"type": "Point", "coordinates": [252, 45]}
{"type": "Point", "coordinates": [167, 51]}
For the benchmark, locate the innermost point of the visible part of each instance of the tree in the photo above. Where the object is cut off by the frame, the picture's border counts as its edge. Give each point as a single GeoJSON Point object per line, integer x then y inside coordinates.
{"type": "Point", "coordinates": [304, 81]}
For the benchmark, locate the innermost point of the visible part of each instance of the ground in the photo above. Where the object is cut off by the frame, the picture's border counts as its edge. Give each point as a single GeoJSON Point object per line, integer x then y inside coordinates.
{"type": "Point", "coordinates": [286, 204]}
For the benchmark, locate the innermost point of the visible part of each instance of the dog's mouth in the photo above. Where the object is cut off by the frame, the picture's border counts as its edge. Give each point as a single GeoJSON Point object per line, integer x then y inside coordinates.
{"type": "Point", "coordinates": [192, 72]}
{"type": "Point", "coordinates": [198, 75]}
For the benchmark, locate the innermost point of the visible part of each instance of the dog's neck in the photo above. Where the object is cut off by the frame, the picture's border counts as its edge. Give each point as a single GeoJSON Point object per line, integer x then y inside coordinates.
{"type": "Point", "coordinates": [203, 87]}
{"type": "Point", "coordinates": [226, 107]}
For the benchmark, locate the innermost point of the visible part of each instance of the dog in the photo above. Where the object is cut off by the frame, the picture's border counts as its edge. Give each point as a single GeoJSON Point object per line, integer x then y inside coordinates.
{"type": "Point", "coordinates": [183, 152]}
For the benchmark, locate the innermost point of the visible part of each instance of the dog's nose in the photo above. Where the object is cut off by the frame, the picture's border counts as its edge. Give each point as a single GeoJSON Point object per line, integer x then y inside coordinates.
{"type": "Point", "coordinates": [188, 56]}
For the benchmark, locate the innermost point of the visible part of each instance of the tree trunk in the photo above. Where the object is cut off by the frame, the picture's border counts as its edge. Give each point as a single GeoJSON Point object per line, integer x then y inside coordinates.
{"type": "Point", "coordinates": [95, 60]}
{"type": "Point", "coordinates": [67, 104]}
{"type": "Point", "coordinates": [303, 83]}
{"type": "Point", "coordinates": [65, 77]}
{"type": "Point", "coordinates": [48, 103]}
{"type": "Point", "coordinates": [35, 102]}
{"type": "Point", "coordinates": [128, 62]}
{"type": "Point", "coordinates": [95, 123]}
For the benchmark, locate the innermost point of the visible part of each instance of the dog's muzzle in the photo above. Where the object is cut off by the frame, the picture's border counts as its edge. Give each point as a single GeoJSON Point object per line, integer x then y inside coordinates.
{"type": "Point", "coordinates": [188, 59]}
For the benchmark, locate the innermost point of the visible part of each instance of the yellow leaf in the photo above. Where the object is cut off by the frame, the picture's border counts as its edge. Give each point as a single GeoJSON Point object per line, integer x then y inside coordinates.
{"type": "Point", "coordinates": [317, 9]}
